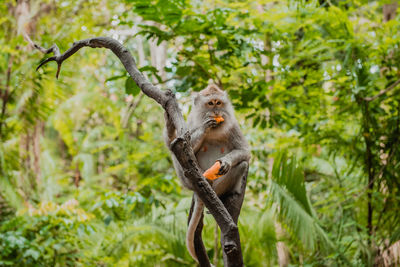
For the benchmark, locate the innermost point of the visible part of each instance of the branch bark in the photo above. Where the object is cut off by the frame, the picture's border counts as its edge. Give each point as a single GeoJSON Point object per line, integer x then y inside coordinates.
{"type": "Point", "coordinates": [180, 146]}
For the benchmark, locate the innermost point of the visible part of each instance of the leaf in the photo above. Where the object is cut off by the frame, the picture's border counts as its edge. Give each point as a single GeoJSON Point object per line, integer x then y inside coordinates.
{"type": "Point", "coordinates": [131, 87]}
{"type": "Point", "coordinates": [115, 77]}
{"type": "Point", "coordinates": [395, 236]}
{"type": "Point", "coordinates": [263, 123]}
{"type": "Point", "coordinates": [148, 68]}
{"type": "Point", "coordinates": [256, 121]}
{"type": "Point", "coordinates": [107, 220]}
{"type": "Point", "coordinates": [153, 71]}
{"type": "Point", "coordinates": [32, 253]}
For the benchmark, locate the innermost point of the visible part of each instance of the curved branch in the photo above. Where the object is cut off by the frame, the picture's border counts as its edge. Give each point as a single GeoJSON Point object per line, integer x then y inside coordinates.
{"type": "Point", "coordinates": [382, 92]}
{"type": "Point", "coordinates": [180, 146]}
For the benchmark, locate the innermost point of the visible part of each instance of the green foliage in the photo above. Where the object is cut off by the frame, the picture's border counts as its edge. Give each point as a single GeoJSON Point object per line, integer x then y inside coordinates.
{"type": "Point", "coordinates": [115, 206]}
{"type": "Point", "coordinates": [288, 192]}
{"type": "Point", "coordinates": [6, 211]}
{"type": "Point", "coordinates": [318, 79]}
{"type": "Point", "coordinates": [131, 88]}
{"type": "Point", "coordinates": [47, 236]}
{"type": "Point", "coordinates": [258, 236]}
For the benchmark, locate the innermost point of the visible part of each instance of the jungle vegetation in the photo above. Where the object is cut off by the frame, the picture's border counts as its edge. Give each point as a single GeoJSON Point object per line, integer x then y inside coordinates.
{"type": "Point", "coordinates": [86, 180]}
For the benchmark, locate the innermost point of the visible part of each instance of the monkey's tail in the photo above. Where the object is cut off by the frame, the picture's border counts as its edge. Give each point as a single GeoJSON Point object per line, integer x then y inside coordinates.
{"type": "Point", "coordinates": [194, 221]}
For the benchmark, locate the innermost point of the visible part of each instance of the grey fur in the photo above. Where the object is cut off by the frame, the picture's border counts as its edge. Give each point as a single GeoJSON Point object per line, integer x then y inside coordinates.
{"type": "Point", "coordinates": [213, 142]}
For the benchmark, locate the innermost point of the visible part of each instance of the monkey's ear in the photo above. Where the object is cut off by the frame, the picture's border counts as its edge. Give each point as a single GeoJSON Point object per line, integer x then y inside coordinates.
{"type": "Point", "coordinates": [226, 94]}
{"type": "Point", "coordinates": [195, 97]}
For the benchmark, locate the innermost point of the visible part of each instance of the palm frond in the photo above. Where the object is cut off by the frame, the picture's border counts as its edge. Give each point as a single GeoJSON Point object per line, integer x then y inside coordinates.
{"type": "Point", "coordinates": [301, 224]}
{"type": "Point", "coordinates": [293, 207]}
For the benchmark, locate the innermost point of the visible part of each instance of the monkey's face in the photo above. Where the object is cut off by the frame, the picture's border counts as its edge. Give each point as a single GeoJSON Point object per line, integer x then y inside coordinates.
{"type": "Point", "coordinates": [211, 106]}
{"type": "Point", "coordinates": [210, 103]}
{"type": "Point", "coordinates": [215, 107]}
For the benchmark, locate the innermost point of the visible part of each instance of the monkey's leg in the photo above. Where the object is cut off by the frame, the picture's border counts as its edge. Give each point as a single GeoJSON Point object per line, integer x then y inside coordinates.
{"type": "Point", "coordinates": [201, 252]}
{"type": "Point", "coordinates": [233, 200]}
{"type": "Point", "coordinates": [232, 181]}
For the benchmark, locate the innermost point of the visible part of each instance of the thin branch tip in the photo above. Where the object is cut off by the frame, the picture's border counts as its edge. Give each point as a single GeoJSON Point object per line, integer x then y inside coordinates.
{"type": "Point", "coordinates": [58, 69]}
{"type": "Point", "coordinates": [44, 62]}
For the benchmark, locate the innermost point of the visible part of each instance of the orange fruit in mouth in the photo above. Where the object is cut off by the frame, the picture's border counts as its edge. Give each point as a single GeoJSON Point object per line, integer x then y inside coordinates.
{"type": "Point", "coordinates": [219, 119]}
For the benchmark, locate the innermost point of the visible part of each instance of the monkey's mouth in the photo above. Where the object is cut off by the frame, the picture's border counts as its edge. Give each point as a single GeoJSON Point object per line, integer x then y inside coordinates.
{"type": "Point", "coordinates": [217, 114]}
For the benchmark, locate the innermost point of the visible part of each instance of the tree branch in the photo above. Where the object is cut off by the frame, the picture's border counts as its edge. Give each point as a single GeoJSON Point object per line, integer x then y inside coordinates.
{"type": "Point", "coordinates": [180, 146]}
{"type": "Point", "coordinates": [382, 92]}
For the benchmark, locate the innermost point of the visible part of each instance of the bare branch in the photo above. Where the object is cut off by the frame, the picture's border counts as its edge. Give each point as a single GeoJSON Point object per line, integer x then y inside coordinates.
{"type": "Point", "coordinates": [382, 92]}
{"type": "Point", "coordinates": [180, 146]}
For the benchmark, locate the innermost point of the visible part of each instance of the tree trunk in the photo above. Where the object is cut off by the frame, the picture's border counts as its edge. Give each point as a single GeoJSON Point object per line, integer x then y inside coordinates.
{"type": "Point", "coordinates": [281, 248]}
{"type": "Point", "coordinates": [389, 11]}
{"type": "Point", "coordinates": [158, 55]}
{"type": "Point", "coordinates": [37, 134]}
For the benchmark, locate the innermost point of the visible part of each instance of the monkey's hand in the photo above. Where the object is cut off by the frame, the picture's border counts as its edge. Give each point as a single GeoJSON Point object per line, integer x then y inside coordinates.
{"type": "Point", "coordinates": [225, 167]}
{"type": "Point", "coordinates": [210, 123]}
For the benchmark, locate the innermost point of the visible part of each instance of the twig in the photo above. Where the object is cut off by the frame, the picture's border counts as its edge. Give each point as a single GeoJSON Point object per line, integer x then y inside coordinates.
{"type": "Point", "coordinates": [53, 49]}
{"type": "Point", "coordinates": [129, 111]}
{"type": "Point", "coordinates": [382, 92]}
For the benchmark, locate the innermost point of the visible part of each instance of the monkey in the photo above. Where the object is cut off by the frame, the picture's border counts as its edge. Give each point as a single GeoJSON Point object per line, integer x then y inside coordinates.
{"type": "Point", "coordinates": [212, 141]}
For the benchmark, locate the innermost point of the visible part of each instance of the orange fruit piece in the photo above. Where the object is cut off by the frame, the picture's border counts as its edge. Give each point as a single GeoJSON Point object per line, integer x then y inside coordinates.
{"type": "Point", "coordinates": [219, 119]}
{"type": "Point", "coordinates": [212, 172]}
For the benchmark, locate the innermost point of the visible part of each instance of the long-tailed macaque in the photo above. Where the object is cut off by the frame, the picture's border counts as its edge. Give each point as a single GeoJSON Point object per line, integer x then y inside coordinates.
{"type": "Point", "coordinates": [212, 141]}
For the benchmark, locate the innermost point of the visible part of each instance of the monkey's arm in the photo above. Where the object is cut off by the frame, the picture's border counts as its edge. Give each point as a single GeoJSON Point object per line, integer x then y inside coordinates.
{"type": "Point", "coordinates": [235, 157]}
{"type": "Point", "coordinates": [232, 159]}
{"type": "Point", "coordinates": [198, 134]}
{"type": "Point", "coordinates": [196, 138]}
{"type": "Point", "coordinates": [238, 154]}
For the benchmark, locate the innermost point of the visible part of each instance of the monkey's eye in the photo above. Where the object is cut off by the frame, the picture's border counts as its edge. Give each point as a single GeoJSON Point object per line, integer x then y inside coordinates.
{"type": "Point", "coordinates": [219, 103]}
{"type": "Point", "coordinates": [210, 103]}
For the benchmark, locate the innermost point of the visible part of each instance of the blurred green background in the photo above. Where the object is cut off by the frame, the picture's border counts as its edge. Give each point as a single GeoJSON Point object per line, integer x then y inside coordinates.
{"type": "Point", "coordinates": [86, 180]}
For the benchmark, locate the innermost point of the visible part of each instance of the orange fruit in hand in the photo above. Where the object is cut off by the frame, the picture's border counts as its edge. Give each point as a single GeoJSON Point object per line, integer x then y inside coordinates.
{"type": "Point", "coordinates": [212, 172]}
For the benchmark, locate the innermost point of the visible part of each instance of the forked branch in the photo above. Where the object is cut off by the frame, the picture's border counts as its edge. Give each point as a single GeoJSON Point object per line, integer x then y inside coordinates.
{"type": "Point", "coordinates": [181, 146]}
